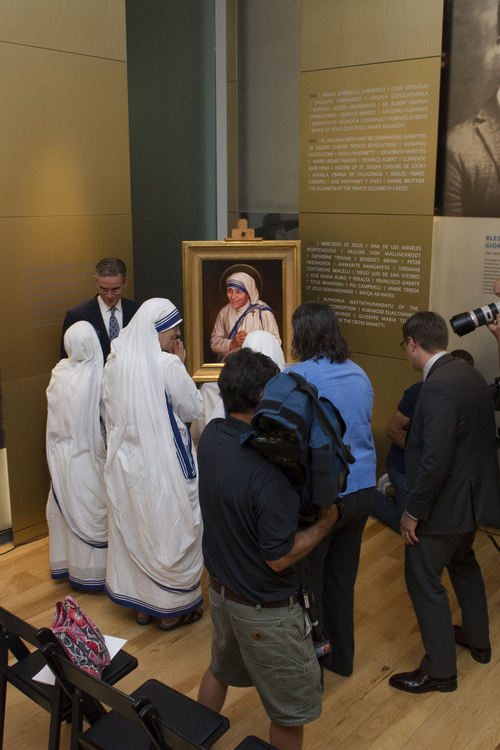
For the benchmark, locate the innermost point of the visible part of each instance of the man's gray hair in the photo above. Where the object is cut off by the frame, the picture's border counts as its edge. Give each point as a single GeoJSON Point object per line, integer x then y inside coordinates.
{"type": "Point", "coordinates": [111, 267]}
{"type": "Point", "coordinates": [428, 329]}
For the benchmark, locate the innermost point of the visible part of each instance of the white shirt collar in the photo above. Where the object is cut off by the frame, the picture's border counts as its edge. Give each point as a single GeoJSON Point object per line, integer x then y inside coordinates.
{"type": "Point", "coordinates": [431, 361]}
{"type": "Point", "coordinates": [104, 308]}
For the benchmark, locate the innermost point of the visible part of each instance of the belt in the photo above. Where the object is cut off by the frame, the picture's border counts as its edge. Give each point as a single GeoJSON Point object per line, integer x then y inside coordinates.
{"type": "Point", "coordinates": [228, 594]}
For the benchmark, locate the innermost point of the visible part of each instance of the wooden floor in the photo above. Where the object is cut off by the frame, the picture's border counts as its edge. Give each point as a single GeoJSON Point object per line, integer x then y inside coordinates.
{"type": "Point", "coordinates": [359, 712]}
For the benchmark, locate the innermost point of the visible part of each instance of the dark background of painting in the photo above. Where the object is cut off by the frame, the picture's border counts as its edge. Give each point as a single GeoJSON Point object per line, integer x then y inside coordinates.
{"type": "Point", "coordinates": [271, 272]}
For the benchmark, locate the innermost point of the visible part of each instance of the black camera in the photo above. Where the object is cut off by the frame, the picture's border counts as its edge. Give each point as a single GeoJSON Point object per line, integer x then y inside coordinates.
{"type": "Point", "coordinates": [468, 321]}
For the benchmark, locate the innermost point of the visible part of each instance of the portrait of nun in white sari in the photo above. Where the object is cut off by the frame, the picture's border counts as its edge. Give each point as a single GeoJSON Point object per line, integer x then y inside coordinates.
{"type": "Point", "coordinates": [244, 313]}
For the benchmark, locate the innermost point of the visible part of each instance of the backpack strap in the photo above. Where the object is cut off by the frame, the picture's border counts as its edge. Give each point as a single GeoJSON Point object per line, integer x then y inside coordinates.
{"type": "Point", "coordinates": [323, 418]}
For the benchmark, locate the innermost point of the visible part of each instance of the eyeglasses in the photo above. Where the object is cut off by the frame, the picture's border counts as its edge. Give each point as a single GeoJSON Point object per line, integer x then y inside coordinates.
{"type": "Point", "coordinates": [404, 344]}
{"type": "Point", "coordinates": [116, 290]}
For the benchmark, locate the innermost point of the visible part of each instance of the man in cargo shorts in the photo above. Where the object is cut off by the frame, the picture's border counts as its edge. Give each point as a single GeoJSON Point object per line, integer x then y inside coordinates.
{"type": "Point", "coordinates": [250, 516]}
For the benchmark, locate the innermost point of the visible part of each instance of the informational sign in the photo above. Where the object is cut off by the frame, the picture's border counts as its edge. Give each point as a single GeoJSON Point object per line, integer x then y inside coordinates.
{"type": "Point", "coordinates": [373, 271]}
{"type": "Point", "coordinates": [465, 267]}
{"type": "Point", "coordinates": [368, 138]}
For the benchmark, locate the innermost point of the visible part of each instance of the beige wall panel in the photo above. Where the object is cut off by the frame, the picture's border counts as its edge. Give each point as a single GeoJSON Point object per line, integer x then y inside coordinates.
{"type": "Point", "coordinates": [92, 27]}
{"type": "Point", "coordinates": [47, 266]}
{"type": "Point", "coordinates": [373, 270]}
{"type": "Point", "coordinates": [64, 134]}
{"type": "Point", "coordinates": [25, 412]}
{"type": "Point", "coordinates": [368, 138]}
{"type": "Point", "coordinates": [389, 378]}
{"type": "Point", "coordinates": [465, 265]}
{"type": "Point", "coordinates": [5, 513]}
{"type": "Point", "coordinates": [357, 32]}
{"type": "Point", "coordinates": [232, 146]}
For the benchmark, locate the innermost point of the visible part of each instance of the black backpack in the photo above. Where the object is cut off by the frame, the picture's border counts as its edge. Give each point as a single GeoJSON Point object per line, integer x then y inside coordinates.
{"type": "Point", "coordinates": [302, 434]}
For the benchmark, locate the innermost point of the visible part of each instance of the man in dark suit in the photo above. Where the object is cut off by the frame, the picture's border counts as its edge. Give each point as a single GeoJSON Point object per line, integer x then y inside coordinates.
{"type": "Point", "coordinates": [452, 479]}
{"type": "Point", "coordinates": [108, 311]}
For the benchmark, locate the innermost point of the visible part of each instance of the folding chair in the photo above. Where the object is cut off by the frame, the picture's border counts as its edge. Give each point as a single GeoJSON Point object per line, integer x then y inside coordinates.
{"type": "Point", "coordinates": [165, 737]}
{"type": "Point", "coordinates": [132, 723]}
{"type": "Point", "coordinates": [13, 631]}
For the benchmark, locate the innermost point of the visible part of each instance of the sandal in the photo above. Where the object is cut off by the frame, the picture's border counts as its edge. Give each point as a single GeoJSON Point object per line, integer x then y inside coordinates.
{"type": "Point", "coordinates": [144, 620]}
{"type": "Point", "coordinates": [189, 619]}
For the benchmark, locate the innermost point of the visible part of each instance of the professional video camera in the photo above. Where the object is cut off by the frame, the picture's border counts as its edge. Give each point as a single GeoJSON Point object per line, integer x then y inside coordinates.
{"type": "Point", "coordinates": [467, 322]}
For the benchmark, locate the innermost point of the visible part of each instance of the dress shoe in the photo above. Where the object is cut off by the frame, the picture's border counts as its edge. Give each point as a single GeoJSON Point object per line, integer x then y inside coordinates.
{"type": "Point", "coordinates": [482, 655]}
{"type": "Point", "coordinates": [418, 682]}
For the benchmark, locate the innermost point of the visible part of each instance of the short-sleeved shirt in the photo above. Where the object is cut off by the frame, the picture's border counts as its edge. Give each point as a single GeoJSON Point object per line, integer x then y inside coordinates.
{"type": "Point", "coordinates": [396, 455]}
{"type": "Point", "coordinates": [349, 389]}
{"type": "Point", "coordinates": [250, 514]}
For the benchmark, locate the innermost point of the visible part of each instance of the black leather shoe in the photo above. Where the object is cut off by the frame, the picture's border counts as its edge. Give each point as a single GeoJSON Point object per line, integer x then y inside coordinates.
{"type": "Point", "coordinates": [482, 655]}
{"type": "Point", "coordinates": [418, 682]}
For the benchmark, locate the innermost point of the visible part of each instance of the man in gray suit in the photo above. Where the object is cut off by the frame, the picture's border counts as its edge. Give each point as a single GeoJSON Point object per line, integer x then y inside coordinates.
{"type": "Point", "coordinates": [452, 479]}
{"type": "Point", "coordinates": [472, 181]}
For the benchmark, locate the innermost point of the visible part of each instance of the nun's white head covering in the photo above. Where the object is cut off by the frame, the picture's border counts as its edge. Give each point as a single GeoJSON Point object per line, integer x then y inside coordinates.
{"type": "Point", "coordinates": [245, 283]}
{"type": "Point", "coordinates": [160, 527]}
{"type": "Point", "coordinates": [265, 342]}
{"type": "Point", "coordinates": [75, 445]}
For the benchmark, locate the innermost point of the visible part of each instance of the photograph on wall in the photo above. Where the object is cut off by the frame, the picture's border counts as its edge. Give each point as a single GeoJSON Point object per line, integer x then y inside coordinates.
{"type": "Point", "coordinates": [469, 158]}
{"type": "Point", "coordinates": [233, 289]}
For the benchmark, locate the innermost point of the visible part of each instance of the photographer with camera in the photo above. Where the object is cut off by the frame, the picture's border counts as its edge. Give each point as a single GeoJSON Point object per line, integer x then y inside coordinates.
{"type": "Point", "coordinates": [250, 513]}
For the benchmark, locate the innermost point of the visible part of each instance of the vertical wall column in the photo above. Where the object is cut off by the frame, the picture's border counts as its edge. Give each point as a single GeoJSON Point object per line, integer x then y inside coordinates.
{"type": "Point", "coordinates": [171, 89]}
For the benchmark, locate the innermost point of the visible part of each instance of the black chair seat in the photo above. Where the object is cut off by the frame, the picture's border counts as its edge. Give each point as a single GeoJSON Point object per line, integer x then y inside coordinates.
{"type": "Point", "coordinates": [253, 743]}
{"type": "Point", "coordinates": [21, 675]}
{"type": "Point", "coordinates": [190, 719]}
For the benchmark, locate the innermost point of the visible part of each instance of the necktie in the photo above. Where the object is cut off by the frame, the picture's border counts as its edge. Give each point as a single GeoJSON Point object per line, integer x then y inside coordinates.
{"type": "Point", "coordinates": [114, 328]}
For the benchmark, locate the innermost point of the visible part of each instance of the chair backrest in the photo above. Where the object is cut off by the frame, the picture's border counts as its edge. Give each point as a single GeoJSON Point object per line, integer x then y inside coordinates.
{"type": "Point", "coordinates": [72, 677]}
{"type": "Point", "coordinates": [22, 629]}
{"type": "Point", "coordinates": [164, 735]}
{"type": "Point", "coordinates": [78, 683]}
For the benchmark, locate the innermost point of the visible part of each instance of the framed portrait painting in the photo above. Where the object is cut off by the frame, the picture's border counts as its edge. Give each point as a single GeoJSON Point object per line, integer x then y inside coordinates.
{"type": "Point", "coordinates": [231, 289]}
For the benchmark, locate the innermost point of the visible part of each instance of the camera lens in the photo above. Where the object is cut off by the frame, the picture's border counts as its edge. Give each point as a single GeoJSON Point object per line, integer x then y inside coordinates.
{"type": "Point", "coordinates": [462, 323]}
{"type": "Point", "coordinates": [466, 322]}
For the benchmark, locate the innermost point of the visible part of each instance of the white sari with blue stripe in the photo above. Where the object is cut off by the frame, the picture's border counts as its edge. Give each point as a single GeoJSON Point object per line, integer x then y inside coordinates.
{"type": "Point", "coordinates": [154, 556]}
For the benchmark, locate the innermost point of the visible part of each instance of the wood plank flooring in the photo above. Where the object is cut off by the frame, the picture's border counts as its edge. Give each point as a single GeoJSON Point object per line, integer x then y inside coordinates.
{"type": "Point", "coordinates": [359, 713]}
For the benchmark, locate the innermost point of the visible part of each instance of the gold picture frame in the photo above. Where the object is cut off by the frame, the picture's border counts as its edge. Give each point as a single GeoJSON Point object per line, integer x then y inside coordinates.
{"type": "Point", "coordinates": [277, 267]}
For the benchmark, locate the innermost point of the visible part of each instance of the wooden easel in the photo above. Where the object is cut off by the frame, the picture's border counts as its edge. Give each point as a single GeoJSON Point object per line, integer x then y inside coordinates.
{"type": "Point", "coordinates": [243, 233]}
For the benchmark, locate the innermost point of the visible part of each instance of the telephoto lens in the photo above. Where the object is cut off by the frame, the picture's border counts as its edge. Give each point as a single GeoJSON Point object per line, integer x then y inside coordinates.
{"type": "Point", "coordinates": [467, 322]}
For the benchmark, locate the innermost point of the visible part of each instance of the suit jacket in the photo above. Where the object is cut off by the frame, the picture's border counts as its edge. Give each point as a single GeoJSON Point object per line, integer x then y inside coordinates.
{"type": "Point", "coordinates": [450, 452]}
{"type": "Point", "coordinates": [91, 312]}
{"type": "Point", "coordinates": [472, 185]}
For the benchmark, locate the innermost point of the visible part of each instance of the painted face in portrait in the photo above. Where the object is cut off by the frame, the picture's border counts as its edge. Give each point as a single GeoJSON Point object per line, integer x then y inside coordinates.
{"type": "Point", "coordinates": [237, 297]}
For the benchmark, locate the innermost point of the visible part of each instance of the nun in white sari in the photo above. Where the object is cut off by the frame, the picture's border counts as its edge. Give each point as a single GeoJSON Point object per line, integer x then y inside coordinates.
{"type": "Point", "coordinates": [76, 507]}
{"type": "Point", "coordinates": [155, 528]}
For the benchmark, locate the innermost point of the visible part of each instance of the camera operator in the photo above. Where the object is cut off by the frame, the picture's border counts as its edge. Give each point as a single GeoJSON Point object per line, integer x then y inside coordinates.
{"type": "Point", "coordinates": [250, 514]}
